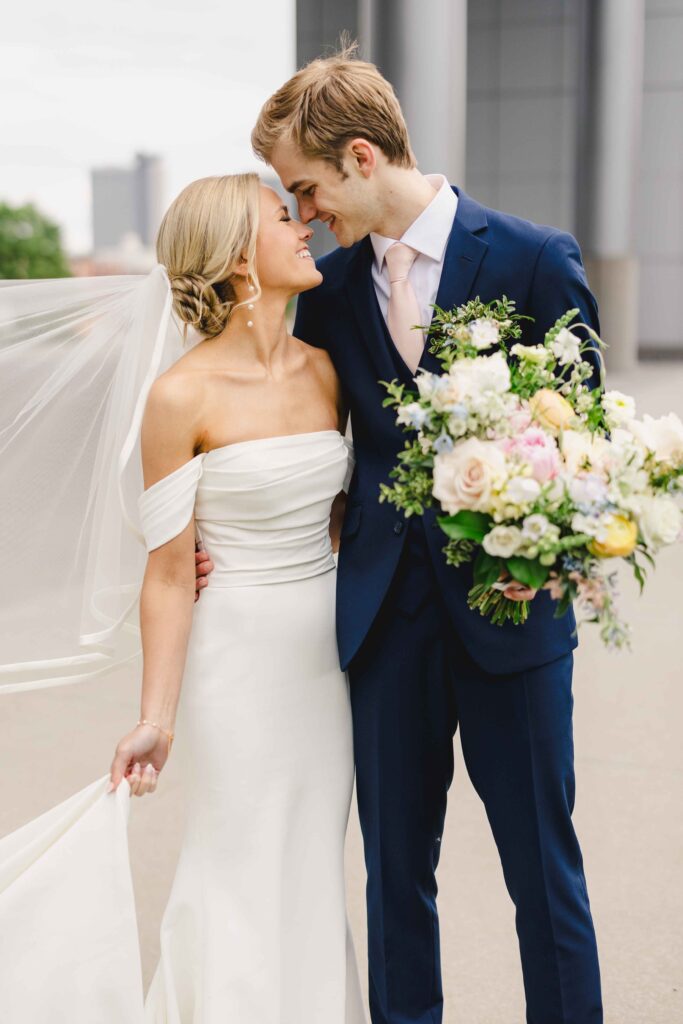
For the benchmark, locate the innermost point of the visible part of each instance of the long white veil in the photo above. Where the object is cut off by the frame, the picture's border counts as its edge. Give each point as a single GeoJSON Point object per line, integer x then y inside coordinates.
{"type": "Point", "coordinates": [77, 359]}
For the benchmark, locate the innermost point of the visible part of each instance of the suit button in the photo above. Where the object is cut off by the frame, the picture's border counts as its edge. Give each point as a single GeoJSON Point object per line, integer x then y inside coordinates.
{"type": "Point", "coordinates": [398, 527]}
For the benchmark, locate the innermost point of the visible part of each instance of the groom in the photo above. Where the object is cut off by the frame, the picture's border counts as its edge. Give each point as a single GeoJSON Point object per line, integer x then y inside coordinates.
{"type": "Point", "coordinates": [421, 664]}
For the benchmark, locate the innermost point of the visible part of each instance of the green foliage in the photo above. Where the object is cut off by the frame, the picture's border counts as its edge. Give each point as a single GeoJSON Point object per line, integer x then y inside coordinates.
{"type": "Point", "coordinates": [465, 525]}
{"type": "Point", "coordinates": [459, 552]}
{"type": "Point", "coordinates": [562, 322]}
{"type": "Point", "coordinates": [30, 245]}
{"type": "Point", "coordinates": [449, 335]}
{"type": "Point", "coordinates": [528, 571]}
{"type": "Point", "coordinates": [487, 568]}
{"type": "Point", "coordinates": [412, 492]}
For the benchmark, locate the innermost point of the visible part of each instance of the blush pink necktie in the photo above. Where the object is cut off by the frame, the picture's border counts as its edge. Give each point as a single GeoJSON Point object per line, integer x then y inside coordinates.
{"type": "Point", "coordinates": [403, 311]}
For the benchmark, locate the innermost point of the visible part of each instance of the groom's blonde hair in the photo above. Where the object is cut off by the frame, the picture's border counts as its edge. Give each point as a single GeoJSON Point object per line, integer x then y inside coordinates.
{"type": "Point", "coordinates": [329, 102]}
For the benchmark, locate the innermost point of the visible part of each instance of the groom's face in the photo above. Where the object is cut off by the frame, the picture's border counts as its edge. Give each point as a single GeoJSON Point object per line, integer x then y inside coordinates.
{"type": "Point", "coordinates": [343, 200]}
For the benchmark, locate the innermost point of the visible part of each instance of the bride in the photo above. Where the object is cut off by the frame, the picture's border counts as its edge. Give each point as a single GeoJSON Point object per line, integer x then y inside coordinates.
{"type": "Point", "coordinates": [242, 449]}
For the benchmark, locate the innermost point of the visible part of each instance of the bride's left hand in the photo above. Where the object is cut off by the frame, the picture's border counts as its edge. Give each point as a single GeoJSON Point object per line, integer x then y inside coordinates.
{"type": "Point", "coordinates": [139, 758]}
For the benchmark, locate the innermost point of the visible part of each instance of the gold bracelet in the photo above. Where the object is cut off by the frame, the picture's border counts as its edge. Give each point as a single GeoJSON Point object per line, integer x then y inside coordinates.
{"type": "Point", "coordinates": [171, 736]}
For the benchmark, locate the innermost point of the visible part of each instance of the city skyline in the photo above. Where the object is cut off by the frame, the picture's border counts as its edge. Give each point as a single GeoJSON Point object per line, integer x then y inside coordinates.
{"type": "Point", "coordinates": [89, 94]}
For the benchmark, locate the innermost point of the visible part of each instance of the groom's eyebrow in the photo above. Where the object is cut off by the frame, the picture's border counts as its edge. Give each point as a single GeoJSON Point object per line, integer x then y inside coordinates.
{"type": "Point", "coordinates": [295, 186]}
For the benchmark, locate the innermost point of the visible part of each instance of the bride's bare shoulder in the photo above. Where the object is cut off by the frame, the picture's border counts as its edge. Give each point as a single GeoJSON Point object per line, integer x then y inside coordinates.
{"type": "Point", "coordinates": [318, 359]}
{"type": "Point", "coordinates": [174, 407]}
{"type": "Point", "coordinates": [180, 388]}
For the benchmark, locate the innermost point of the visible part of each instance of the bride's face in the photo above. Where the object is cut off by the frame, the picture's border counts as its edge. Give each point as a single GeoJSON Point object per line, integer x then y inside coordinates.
{"type": "Point", "coordinates": [283, 261]}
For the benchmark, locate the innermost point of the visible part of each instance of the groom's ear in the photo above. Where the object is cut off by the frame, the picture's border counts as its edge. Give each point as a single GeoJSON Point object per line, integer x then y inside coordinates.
{"type": "Point", "coordinates": [363, 155]}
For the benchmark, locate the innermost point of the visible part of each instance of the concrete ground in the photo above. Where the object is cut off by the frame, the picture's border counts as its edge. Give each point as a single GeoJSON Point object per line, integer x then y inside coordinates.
{"type": "Point", "coordinates": [629, 763]}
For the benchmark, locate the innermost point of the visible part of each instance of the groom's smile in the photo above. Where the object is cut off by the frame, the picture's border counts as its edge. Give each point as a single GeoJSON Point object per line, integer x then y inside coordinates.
{"type": "Point", "coordinates": [336, 197]}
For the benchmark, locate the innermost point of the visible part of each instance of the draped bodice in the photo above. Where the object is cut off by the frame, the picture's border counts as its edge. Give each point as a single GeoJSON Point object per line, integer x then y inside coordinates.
{"type": "Point", "coordinates": [261, 507]}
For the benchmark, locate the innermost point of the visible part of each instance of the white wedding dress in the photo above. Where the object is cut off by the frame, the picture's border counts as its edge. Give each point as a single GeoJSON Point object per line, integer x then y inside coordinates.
{"type": "Point", "coordinates": [255, 930]}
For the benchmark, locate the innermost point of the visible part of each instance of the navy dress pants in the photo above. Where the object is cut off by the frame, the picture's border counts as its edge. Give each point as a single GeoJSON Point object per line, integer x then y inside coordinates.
{"type": "Point", "coordinates": [412, 686]}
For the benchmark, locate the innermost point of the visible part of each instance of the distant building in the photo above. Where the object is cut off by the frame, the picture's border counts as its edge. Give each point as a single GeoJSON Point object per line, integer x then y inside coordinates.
{"type": "Point", "coordinates": [127, 201]}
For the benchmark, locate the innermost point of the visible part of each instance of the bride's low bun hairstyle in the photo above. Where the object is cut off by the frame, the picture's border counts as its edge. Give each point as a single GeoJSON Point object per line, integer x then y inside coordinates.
{"type": "Point", "coordinates": [206, 232]}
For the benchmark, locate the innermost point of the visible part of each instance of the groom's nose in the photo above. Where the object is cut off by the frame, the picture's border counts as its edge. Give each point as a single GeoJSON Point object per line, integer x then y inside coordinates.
{"type": "Point", "coordinates": [307, 211]}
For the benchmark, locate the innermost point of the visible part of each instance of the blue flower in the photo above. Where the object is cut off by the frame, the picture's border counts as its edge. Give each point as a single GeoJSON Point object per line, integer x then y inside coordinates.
{"type": "Point", "coordinates": [443, 444]}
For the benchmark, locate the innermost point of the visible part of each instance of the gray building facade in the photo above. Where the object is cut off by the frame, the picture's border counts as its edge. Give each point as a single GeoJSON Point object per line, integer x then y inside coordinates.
{"type": "Point", "coordinates": [566, 112]}
{"type": "Point", "coordinates": [127, 201]}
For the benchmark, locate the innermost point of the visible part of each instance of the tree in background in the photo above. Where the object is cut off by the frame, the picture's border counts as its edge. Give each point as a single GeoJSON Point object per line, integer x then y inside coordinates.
{"type": "Point", "coordinates": [30, 244]}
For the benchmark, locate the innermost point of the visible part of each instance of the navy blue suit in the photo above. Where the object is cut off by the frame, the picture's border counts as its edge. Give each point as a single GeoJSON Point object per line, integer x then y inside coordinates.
{"type": "Point", "coordinates": [421, 663]}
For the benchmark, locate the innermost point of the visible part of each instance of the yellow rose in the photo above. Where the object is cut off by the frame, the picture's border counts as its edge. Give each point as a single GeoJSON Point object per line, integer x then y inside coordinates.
{"type": "Point", "coordinates": [620, 541]}
{"type": "Point", "coordinates": [551, 410]}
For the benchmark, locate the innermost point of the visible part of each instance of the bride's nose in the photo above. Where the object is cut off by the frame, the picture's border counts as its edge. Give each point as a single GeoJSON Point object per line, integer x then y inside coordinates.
{"type": "Point", "coordinates": [305, 232]}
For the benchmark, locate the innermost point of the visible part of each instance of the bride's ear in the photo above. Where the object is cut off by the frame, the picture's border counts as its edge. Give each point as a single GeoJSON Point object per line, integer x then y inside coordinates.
{"type": "Point", "coordinates": [242, 269]}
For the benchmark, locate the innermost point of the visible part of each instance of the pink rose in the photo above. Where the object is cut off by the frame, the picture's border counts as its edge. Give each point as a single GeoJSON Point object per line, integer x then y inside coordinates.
{"type": "Point", "coordinates": [539, 450]}
{"type": "Point", "coordinates": [464, 477]}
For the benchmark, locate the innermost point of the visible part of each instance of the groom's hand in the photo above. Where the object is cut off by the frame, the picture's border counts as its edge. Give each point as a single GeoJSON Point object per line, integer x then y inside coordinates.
{"type": "Point", "coordinates": [203, 567]}
{"type": "Point", "coordinates": [516, 591]}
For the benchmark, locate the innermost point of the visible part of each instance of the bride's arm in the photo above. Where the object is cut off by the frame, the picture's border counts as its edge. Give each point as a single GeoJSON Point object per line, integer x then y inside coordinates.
{"type": "Point", "coordinates": [166, 599]}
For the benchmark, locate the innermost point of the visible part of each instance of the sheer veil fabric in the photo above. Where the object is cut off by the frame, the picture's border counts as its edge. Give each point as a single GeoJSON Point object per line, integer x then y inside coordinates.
{"type": "Point", "coordinates": [255, 927]}
{"type": "Point", "coordinates": [77, 359]}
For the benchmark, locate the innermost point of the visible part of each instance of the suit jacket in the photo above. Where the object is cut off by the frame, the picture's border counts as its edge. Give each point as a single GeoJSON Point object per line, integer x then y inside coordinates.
{"type": "Point", "coordinates": [489, 254]}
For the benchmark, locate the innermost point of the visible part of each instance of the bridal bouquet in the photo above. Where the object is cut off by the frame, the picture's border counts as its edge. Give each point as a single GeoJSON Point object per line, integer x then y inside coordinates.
{"type": "Point", "coordinates": [539, 478]}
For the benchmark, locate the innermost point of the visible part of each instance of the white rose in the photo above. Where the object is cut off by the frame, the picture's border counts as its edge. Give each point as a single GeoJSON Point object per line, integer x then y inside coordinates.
{"type": "Point", "coordinates": [537, 354]}
{"type": "Point", "coordinates": [502, 541]}
{"type": "Point", "coordinates": [660, 520]}
{"type": "Point", "coordinates": [566, 347]}
{"type": "Point", "coordinates": [619, 408]}
{"type": "Point", "coordinates": [483, 333]}
{"type": "Point", "coordinates": [663, 436]}
{"type": "Point", "coordinates": [464, 477]}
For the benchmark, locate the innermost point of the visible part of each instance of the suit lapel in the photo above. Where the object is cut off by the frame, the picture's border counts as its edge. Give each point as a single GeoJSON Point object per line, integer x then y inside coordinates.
{"type": "Point", "coordinates": [465, 251]}
{"type": "Point", "coordinates": [360, 292]}
{"type": "Point", "coordinates": [464, 254]}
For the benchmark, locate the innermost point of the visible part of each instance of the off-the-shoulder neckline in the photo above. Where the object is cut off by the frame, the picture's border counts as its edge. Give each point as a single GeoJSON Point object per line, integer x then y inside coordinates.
{"type": "Point", "coordinates": [241, 444]}
{"type": "Point", "coordinates": [274, 437]}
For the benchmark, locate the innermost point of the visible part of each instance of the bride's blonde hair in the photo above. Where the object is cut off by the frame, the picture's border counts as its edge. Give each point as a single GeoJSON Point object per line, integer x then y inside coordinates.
{"type": "Point", "coordinates": [206, 232]}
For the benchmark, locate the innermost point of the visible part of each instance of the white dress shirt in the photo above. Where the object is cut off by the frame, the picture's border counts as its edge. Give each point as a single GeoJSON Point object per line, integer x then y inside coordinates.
{"type": "Point", "coordinates": [428, 234]}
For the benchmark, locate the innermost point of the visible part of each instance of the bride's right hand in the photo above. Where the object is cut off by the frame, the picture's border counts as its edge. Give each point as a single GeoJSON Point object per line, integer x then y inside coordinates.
{"type": "Point", "coordinates": [139, 757]}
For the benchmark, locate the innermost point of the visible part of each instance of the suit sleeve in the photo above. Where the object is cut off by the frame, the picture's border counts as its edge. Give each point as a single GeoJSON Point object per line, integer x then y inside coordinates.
{"type": "Point", "coordinates": [559, 283]}
{"type": "Point", "coordinates": [306, 325]}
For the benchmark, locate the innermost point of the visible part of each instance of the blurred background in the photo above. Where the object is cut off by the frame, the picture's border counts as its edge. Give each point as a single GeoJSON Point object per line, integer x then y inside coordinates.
{"type": "Point", "coordinates": [567, 112]}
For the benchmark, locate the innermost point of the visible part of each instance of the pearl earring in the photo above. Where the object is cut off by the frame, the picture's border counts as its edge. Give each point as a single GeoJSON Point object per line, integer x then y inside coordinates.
{"type": "Point", "coordinates": [250, 305]}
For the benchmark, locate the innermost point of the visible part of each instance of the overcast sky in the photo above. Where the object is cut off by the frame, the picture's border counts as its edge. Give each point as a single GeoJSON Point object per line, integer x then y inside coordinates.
{"type": "Point", "coordinates": [86, 84]}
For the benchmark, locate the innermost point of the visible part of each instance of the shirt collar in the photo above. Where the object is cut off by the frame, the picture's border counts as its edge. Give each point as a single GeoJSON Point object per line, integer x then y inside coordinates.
{"type": "Point", "coordinates": [429, 232]}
